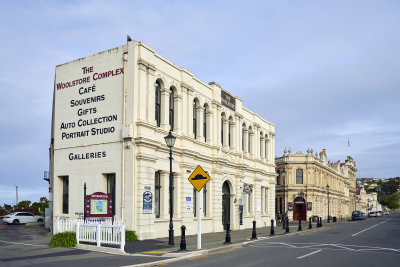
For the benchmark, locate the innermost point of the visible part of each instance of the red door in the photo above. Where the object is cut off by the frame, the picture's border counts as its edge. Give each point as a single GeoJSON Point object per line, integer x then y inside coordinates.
{"type": "Point", "coordinates": [299, 211]}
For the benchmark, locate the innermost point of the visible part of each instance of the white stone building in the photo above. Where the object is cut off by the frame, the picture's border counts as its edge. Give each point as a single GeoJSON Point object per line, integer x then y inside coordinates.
{"type": "Point", "coordinates": [111, 112]}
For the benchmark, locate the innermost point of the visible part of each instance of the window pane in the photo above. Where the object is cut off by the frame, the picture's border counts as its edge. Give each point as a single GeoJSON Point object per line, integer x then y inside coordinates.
{"type": "Point", "coordinates": [171, 109]}
{"type": "Point", "coordinates": [299, 176]}
{"type": "Point", "coordinates": [65, 195]}
{"type": "Point", "coordinates": [157, 198]}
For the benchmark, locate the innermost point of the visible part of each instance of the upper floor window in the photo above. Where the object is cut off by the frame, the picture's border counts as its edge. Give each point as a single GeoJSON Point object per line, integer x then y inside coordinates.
{"type": "Point", "coordinates": [299, 176]}
{"type": "Point", "coordinates": [205, 123]}
{"type": "Point", "coordinates": [194, 119]}
{"type": "Point", "coordinates": [171, 109]}
{"type": "Point", "coordinates": [229, 133]}
{"type": "Point", "coordinates": [261, 145]}
{"type": "Point", "coordinates": [222, 130]}
{"type": "Point", "coordinates": [243, 137]}
{"type": "Point", "coordinates": [158, 103]}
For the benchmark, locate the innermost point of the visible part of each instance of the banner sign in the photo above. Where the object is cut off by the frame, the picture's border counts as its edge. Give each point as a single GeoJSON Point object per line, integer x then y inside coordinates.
{"type": "Point", "coordinates": [99, 205]}
{"type": "Point", "coordinates": [147, 202]}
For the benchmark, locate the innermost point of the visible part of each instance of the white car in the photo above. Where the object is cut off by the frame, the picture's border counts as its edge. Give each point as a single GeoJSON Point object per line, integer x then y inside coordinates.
{"type": "Point", "coordinates": [21, 217]}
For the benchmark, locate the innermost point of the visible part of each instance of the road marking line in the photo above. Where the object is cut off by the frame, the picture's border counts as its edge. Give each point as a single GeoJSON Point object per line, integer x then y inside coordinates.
{"type": "Point", "coordinates": [197, 258]}
{"type": "Point", "coordinates": [15, 243]}
{"type": "Point", "coordinates": [309, 254]}
{"type": "Point", "coordinates": [227, 251]}
{"type": "Point", "coordinates": [365, 230]}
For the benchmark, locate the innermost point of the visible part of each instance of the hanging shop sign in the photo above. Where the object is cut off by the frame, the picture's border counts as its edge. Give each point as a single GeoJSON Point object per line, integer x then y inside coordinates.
{"type": "Point", "coordinates": [147, 202]}
{"type": "Point", "coordinates": [99, 204]}
{"type": "Point", "coordinates": [290, 206]}
{"type": "Point", "coordinates": [247, 189]}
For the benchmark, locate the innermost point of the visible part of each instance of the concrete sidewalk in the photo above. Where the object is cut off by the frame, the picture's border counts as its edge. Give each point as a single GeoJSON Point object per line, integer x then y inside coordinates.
{"type": "Point", "coordinates": [210, 241]}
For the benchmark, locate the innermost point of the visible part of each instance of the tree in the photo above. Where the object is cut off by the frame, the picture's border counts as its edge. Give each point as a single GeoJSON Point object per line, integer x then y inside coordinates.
{"type": "Point", "coordinates": [393, 205]}
{"type": "Point", "coordinates": [24, 204]}
{"type": "Point", "coordinates": [390, 187]}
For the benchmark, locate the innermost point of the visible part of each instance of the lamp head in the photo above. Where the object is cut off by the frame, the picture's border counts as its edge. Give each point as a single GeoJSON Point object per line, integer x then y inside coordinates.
{"type": "Point", "coordinates": [170, 139]}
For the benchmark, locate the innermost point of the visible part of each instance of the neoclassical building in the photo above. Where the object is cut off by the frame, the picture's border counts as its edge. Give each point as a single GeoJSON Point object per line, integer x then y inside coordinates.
{"type": "Point", "coordinates": [111, 112]}
{"type": "Point", "coordinates": [305, 181]}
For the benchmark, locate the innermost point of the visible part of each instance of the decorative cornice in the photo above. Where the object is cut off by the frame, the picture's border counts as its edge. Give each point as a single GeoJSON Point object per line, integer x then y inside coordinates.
{"type": "Point", "coordinates": [143, 63]}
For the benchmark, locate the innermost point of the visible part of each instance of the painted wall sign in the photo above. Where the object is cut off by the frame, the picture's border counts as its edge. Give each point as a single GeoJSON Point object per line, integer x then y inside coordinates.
{"type": "Point", "coordinates": [309, 206]}
{"type": "Point", "coordinates": [147, 202]}
{"type": "Point", "coordinates": [290, 206]}
{"type": "Point", "coordinates": [88, 108]}
{"type": "Point", "coordinates": [99, 205]}
{"type": "Point", "coordinates": [227, 100]}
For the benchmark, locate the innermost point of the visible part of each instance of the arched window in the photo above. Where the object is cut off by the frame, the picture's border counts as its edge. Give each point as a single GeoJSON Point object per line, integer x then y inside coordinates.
{"type": "Point", "coordinates": [261, 144]}
{"type": "Point", "coordinates": [243, 136]}
{"type": "Point", "coordinates": [229, 131]}
{"type": "Point", "coordinates": [299, 176]}
{"type": "Point", "coordinates": [222, 130]}
{"type": "Point", "coordinates": [194, 119]}
{"type": "Point", "coordinates": [158, 103]}
{"type": "Point", "coordinates": [171, 109]}
{"type": "Point", "coordinates": [205, 123]}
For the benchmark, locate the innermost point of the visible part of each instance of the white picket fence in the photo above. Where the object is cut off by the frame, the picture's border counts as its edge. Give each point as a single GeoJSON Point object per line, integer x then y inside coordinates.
{"type": "Point", "coordinates": [94, 231]}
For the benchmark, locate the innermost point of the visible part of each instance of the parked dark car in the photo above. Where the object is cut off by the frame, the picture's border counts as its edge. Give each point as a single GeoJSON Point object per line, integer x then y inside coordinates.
{"type": "Point", "coordinates": [357, 215]}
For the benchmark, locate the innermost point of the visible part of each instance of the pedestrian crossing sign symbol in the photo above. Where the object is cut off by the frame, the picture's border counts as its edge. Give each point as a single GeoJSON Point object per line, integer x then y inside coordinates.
{"type": "Point", "coordinates": [198, 178]}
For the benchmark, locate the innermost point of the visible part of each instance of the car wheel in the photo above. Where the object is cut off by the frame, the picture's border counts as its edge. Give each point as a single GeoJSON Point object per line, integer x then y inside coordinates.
{"type": "Point", "coordinates": [16, 221]}
{"type": "Point", "coordinates": [40, 220]}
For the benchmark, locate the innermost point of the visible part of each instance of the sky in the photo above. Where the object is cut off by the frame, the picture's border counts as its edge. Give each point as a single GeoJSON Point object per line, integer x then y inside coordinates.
{"type": "Point", "coordinates": [326, 73]}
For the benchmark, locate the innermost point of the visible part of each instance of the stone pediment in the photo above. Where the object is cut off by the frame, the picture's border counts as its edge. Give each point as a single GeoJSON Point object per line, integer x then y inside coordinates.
{"type": "Point", "coordinates": [299, 153]}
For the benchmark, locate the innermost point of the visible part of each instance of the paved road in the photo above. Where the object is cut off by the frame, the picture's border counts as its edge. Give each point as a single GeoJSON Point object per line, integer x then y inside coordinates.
{"type": "Point", "coordinates": [374, 242]}
{"type": "Point", "coordinates": [28, 246]}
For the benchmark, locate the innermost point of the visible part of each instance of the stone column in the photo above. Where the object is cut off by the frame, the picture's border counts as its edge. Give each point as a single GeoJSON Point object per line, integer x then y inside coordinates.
{"type": "Point", "coordinates": [165, 109]}
{"type": "Point", "coordinates": [164, 194]}
{"type": "Point", "coordinates": [233, 135]}
{"type": "Point", "coordinates": [199, 120]}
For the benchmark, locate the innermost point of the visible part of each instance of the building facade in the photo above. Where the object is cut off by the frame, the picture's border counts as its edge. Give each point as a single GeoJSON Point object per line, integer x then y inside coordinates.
{"type": "Point", "coordinates": [111, 112]}
{"type": "Point", "coordinates": [310, 182]}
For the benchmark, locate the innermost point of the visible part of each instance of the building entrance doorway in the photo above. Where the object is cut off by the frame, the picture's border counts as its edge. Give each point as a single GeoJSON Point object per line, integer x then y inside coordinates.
{"type": "Point", "coordinates": [299, 209]}
{"type": "Point", "coordinates": [226, 204]}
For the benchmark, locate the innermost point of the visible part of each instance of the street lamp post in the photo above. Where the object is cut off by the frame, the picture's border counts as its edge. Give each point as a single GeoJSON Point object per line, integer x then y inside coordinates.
{"type": "Point", "coordinates": [302, 197]}
{"type": "Point", "coordinates": [283, 180]}
{"type": "Point", "coordinates": [327, 188]}
{"type": "Point", "coordinates": [170, 140]}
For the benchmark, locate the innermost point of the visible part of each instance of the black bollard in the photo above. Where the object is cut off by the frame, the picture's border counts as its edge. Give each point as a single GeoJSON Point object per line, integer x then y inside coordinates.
{"type": "Point", "coordinates": [299, 225]}
{"type": "Point", "coordinates": [272, 227]}
{"type": "Point", "coordinates": [228, 234]}
{"type": "Point", "coordinates": [309, 224]}
{"type": "Point", "coordinates": [320, 222]}
{"type": "Point", "coordinates": [284, 223]}
{"type": "Point", "coordinates": [287, 225]}
{"type": "Point", "coordinates": [183, 239]}
{"type": "Point", "coordinates": [254, 234]}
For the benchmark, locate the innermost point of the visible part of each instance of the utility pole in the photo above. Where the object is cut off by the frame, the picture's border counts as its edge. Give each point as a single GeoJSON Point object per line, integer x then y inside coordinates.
{"type": "Point", "coordinates": [16, 196]}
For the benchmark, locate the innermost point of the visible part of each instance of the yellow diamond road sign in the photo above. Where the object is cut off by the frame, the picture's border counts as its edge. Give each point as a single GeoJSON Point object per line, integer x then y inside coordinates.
{"type": "Point", "coordinates": [199, 178]}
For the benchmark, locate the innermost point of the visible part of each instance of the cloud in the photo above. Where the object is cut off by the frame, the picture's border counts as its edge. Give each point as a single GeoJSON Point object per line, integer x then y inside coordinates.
{"type": "Point", "coordinates": [321, 72]}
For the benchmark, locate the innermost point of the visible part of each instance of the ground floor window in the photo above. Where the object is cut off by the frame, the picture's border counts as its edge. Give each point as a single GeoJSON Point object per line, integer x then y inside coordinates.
{"type": "Point", "coordinates": [157, 193]}
{"type": "Point", "coordinates": [65, 194]}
